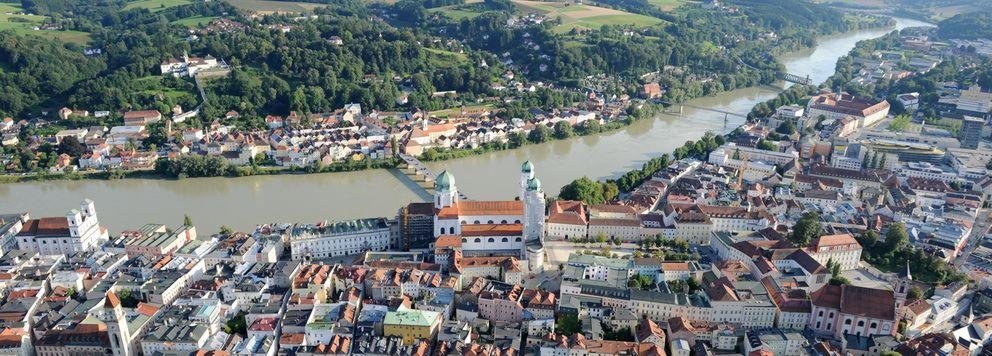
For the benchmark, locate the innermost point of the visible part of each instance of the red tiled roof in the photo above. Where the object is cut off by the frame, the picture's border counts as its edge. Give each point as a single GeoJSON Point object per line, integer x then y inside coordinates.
{"type": "Point", "coordinates": [854, 300]}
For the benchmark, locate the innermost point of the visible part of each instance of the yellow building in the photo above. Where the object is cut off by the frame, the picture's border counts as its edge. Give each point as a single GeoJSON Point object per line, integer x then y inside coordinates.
{"type": "Point", "coordinates": [411, 325]}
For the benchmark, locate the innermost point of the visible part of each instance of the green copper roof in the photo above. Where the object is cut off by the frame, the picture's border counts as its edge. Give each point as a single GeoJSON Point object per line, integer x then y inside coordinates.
{"type": "Point", "coordinates": [444, 181]}
{"type": "Point", "coordinates": [527, 167]}
{"type": "Point", "coordinates": [534, 184]}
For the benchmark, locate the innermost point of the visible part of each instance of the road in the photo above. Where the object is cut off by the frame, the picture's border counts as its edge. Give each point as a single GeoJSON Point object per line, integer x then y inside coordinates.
{"type": "Point", "coordinates": [977, 232]}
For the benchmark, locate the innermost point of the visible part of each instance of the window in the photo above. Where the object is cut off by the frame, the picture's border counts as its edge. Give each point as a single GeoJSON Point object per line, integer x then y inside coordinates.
{"type": "Point", "coordinates": [506, 240]}
{"type": "Point", "coordinates": [442, 231]}
{"type": "Point", "coordinates": [874, 325]}
{"type": "Point", "coordinates": [477, 240]}
{"type": "Point", "coordinates": [518, 239]}
{"type": "Point", "coordinates": [847, 321]}
{"type": "Point", "coordinates": [503, 222]}
{"type": "Point", "coordinates": [861, 323]}
{"type": "Point", "coordinates": [452, 230]}
{"type": "Point", "coordinates": [492, 239]}
{"type": "Point", "coordinates": [491, 222]}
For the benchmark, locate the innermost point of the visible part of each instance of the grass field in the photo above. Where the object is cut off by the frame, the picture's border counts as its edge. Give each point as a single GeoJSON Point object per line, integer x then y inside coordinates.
{"type": "Point", "coordinates": [447, 56]}
{"type": "Point", "coordinates": [154, 5]}
{"type": "Point", "coordinates": [24, 25]}
{"type": "Point", "coordinates": [195, 21]}
{"type": "Point", "coordinates": [666, 5]}
{"type": "Point", "coordinates": [458, 12]}
{"type": "Point", "coordinates": [586, 16]}
{"type": "Point", "coordinates": [152, 85]}
{"type": "Point", "coordinates": [458, 111]}
{"type": "Point", "coordinates": [272, 7]}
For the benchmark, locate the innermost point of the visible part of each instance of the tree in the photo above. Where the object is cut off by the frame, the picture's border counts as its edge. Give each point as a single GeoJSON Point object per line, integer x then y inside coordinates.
{"type": "Point", "coordinates": [767, 145]}
{"type": "Point", "coordinates": [896, 237]}
{"type": "Point", "coordinates": [187, 220]}
{"type": "Point", "coordinates": [601, 238]}
{"type": "Point", "coordinates": [914, 293]}
{"type": "Point", "coordinates": [70, 145]}
{"type": "Point", "coordinates": [563, 130]}
{"type": "Point", "coordinates": [692, 284]}
{"type": "Point", "coordinates": [568, 324]}
{"type": "Point", "coordinates": [237, 325]}
{"type": "Point", "coordinates": [583, 189]}
{"type": "Point", "coordinates": [642, 282]}
{"type": "Point", "coordinates": [835, 274]}
{"type": "Point", "coordinates": [539, 134]}
{"type": "Point", "coordinates": [806, 229]}
{"type": "Point", "coordinates": [224, 230]}
{"type": "Point", "coordinates": [787, 127]}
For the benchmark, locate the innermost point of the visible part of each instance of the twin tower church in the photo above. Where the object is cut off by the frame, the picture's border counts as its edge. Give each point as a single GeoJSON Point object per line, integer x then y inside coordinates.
{"type": "Point", "coordinates": [494, 228]}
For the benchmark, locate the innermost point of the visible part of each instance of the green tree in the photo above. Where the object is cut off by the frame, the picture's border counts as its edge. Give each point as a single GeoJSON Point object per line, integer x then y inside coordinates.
{"type": "Point", "coordinates": [224, 230]}
{"type": "Point", "coordinates": [187, 220]}
{"type": "Point", "coordinates": [563, 130]}
{"type": "Point", "coordinates": [692, 285]}
{"type": "Point", "coordinates": [914, 293]}
{"type": "Point", "coordinates": [568, 324]}
{"type": "Point", "coordinates": [583, 189]}
{"type": "Point", "coordinates": [71, 146]}
{"type": "Point", "coordinates": [539, 134]}
{"type": "Point", "coordinates": [896, 237]}
{"type": "Point", "coordinates": [601, 238]}
{"type": "Point", "coordinates": [806, 229]}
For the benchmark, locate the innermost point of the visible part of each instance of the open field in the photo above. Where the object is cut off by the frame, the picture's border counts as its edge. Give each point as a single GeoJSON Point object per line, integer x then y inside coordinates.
{"type": "Point", "coordinates": [458, 110]}
{"type": "Point", "coordinates": [586, 16]}
{"type": "Point", "coordinates": [447, 57]}
{"type": "Point", "coordinates": [152, 85]}
{"type": "Point", "coordinates": [945, 12]}
{"type": "Point", "coordinates": [155, 5]}
{"type": "Point", "coordinates": [271, 7]}
{"type": "Point", "coordinates": [195, 21]}
{"type": "Point", "coordinates": [22, 24]}
{"type": "Point", "coordinates": [666, 5]}
{"type": "Point", "coordinates": [866, 4]}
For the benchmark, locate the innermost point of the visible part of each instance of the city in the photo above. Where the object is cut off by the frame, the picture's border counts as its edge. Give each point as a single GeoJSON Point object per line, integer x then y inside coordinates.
{"type": "Point", "coordinates": [704, 190]}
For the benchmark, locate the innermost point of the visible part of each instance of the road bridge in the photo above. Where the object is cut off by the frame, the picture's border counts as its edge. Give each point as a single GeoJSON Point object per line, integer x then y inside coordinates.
{"type": "Point", "coordinates": [793, 78]}
{"type": "Point", "coordinates": [424, 176]}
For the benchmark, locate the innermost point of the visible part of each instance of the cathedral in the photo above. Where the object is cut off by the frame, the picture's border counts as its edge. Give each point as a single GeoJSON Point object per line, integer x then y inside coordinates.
{"type": "Point", "coordinates": [494, 228]}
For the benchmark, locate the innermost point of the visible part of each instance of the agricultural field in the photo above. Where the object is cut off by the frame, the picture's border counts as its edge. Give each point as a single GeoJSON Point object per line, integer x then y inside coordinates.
{"type": "Point", "coordinates": [273, 7]}
{"type": "Point", "coordinates": [195, 21]}
{"type": "Point", "coordinates": [585, 16]}
{"type": "Point", "coordinates": [12, 18]}
{"type": "Point", "coordinates": [154, 5]}
{"type": "Point", "coordinates": [666, 5]}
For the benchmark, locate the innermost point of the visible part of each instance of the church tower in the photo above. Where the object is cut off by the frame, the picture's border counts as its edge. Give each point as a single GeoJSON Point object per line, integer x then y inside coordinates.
{"type": "Point", "coordinates": [526, 174]}
{"type": "Point", "coordinates": [445, 191]}
{"type": "Point", "coordinates": [902, 286]}
{"type": "Point", "coordinates": [534, 207]}
{"type": "Point", "coordinates": [113, 316]}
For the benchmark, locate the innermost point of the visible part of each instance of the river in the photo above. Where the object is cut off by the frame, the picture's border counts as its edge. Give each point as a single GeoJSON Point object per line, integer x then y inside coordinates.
{"type": "Point", "coordinates": [242, 203]}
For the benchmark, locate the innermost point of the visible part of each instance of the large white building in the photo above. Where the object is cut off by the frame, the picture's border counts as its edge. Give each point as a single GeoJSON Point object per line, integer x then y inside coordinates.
{"type": "Point", "coordinates": [756, 163]}
{"type": "Point", "coordinates": [79, 230]}
{"type": "Point", "coordinates": [340, 238]}
{"type": "Point", "coordinates": [494, 228]}
{"type": "Point", "coordinates": [838, 106]}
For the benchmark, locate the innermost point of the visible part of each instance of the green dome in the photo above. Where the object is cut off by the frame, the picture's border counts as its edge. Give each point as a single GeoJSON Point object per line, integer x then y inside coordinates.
{"type": "Point", "coordinates": [527, 167]}
{"type": "Point", "coordinates": [533, 184]}
{"type": "Point", "coordinates": [444, 181]}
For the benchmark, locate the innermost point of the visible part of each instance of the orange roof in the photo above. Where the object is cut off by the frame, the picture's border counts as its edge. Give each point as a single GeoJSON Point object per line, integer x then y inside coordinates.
{"type": "Point", "coordinates": [492, 230]}
{"type": "Point", "coordinates": [111, 301]}
{"type": "Point", "coordinates": [482, 208]}
{"type": "Point", "coordinates": [448, 241]}
{"type": "Point", "coordinates": [146, 309]}
{"type": "Point", "coordinates": [835, 240]}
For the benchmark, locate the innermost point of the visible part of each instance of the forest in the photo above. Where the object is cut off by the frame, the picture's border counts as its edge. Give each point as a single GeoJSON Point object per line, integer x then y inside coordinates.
{"type": "Point", "coordinates": [275, 72]}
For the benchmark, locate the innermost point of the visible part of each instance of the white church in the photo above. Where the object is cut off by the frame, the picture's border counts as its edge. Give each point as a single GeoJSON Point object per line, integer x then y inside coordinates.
{"type": "Point", "coordinates": [494, 228]}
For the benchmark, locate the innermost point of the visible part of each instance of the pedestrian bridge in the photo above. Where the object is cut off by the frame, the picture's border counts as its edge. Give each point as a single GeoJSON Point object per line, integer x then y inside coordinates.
{"type": "Point", "coordinates": [793, 78]}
